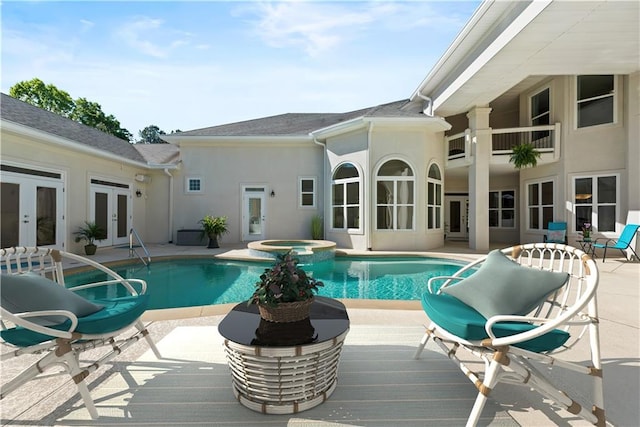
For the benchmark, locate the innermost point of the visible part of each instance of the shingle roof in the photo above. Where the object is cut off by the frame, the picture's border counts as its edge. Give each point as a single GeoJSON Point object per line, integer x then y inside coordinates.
{"type": "Point", "coordinates": [299, 124]}
{"type": "Point", "coordinates": [20, 112]}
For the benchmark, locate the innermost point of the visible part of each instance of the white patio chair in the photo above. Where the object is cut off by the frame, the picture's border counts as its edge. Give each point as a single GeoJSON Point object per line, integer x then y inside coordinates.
{"type": "Point", "coordinates": [39, 315]}
{"type": "Point", "coordinates": [514, 306]}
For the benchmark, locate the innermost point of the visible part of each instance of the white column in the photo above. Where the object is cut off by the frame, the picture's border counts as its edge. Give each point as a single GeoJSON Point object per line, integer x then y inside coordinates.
{"type": "Point", "coordinates": [479, 178]}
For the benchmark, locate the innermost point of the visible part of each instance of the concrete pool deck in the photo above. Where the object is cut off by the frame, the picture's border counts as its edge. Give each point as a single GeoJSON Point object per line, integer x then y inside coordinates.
{"type": "Point", "coordinates": [379, 384]}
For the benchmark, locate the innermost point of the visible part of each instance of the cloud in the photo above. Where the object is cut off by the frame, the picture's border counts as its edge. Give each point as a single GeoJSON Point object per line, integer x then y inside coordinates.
{"type": "Point", "coordinates": [150, 37]}
{"type": "Point", "coordinates": [312, 27]}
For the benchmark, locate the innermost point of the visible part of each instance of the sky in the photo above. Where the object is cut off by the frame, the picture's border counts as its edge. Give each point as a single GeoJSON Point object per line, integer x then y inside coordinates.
{"type": "Point", "coordinates": [189, 65]}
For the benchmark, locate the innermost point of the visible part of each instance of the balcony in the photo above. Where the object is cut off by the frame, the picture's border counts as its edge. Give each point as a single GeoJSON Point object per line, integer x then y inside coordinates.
{"type": "Point", "coordinates": [546, 139]}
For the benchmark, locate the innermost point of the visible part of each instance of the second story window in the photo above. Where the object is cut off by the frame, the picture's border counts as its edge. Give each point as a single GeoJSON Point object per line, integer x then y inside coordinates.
{"type": "Point", "coordinates": [540, 113]}
{"type": "Point", "coordinates": [595, 100]}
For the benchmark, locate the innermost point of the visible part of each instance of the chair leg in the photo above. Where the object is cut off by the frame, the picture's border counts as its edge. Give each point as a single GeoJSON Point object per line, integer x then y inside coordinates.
{"type": "Point", "coordinates": [140, 326]}
{"type": "Point", "coordinates": [423, 342]}
{"type": "Point", "coordinates": [78, 375]}
{"type": "Point", "coordinates": [604, 255]}
{"type": "Point", "coordinates": [488, 383]}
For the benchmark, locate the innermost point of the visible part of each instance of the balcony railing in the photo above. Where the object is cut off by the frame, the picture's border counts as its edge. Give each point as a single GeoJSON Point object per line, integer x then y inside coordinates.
{"type": "Point", "coordinates": [543, 138]}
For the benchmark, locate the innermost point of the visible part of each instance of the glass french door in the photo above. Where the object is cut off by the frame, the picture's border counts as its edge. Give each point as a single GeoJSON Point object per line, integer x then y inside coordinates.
{"type": "Point", "coordinates": [457, 217]}
{"type": "Point", "coordinates": [111, 210]}
{"type": "Point", "coordinates": [253, 213]}
{"type": "Point", "coordinates": [32, 212]}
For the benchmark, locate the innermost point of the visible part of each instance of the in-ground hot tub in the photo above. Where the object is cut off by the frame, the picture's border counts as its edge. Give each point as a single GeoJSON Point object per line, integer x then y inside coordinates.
{"type": "Point", "coordinates": [307, 251]}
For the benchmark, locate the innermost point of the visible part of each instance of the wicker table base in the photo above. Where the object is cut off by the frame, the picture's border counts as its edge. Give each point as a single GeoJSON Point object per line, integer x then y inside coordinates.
{"type": "Point", "coordinates": [284, 380]}
{"type": "Point", "coordinates": [284, 368]}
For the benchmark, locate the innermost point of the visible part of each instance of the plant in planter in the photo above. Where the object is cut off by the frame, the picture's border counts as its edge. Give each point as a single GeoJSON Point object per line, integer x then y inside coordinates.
{"type": "Point", "coordinates": [524, 155]}
{"type": "Point", "coordinates": [317, 227]}
{"type": "Point", "coordinates": [90, 232]}
{"type": "Point", "coordinates": [285, 292]}
{"type": "Point", "coordinates": [213, 228]}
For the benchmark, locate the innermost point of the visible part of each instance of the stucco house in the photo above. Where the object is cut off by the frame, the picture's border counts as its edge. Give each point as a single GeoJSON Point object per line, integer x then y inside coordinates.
{"type": "Point", "coordinates": [405, 175]}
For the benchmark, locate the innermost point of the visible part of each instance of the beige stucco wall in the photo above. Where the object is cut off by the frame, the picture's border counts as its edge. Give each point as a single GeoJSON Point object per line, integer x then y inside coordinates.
{"type": "Point", "coordinates": [77, 168]}
{"type": "Point", "coordinates": [225, 167]}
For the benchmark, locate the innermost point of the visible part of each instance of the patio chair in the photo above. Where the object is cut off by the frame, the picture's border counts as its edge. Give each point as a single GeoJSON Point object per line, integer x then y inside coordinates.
{"type": "Point", "coordinates": [556, 233]}
{"type": "Point", "coordinates": [523, 304]}
{"type": "Point", "coordinates": [39, 315]}
{"type": "Point", "coordinates": [623, 243]}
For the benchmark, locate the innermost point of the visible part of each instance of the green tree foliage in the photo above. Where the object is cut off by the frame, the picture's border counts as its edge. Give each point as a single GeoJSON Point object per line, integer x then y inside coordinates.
{"type": "Point", "coordinates": [50, 98]}
{"type": "Point", "coordinates": [47, 97]}
{"type": "Point", "coordinates": [91, 114]}
{"type": "Point", "coordinates": [151, 135]}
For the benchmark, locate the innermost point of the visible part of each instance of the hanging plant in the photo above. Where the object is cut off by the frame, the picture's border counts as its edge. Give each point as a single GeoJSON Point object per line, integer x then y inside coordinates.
{"type": "Point", "coordinates": [524, 155]}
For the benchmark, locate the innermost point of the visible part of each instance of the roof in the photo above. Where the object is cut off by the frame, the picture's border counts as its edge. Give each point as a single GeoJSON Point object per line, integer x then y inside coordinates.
{"type": "Point", "coordinates": [159, 154]}
{"type": "Point", "coordinates": [299, 124]}
{"type": "Point", "coordinates": [19, 112]}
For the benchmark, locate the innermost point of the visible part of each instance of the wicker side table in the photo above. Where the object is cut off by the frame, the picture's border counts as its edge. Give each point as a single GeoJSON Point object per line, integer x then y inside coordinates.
{"type": "Point", "coordinates": [284, 378]}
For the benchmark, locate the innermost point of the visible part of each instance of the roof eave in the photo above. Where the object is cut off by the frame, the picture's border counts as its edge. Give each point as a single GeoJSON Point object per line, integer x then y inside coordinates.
{"type": "Point", "coordinates": [30, 132]}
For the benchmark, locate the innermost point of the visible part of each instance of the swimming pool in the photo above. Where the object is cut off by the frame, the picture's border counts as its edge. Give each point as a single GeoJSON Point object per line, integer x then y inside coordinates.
{"type": "Point", "coordinates": [188, 282]}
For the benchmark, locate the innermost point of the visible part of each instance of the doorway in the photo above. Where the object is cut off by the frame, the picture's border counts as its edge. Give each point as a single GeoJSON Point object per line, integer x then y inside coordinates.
{"type": "Point", "coordinates": [32, 208]}
{"type": "Point", "coordinates": [253, 213]}
{"type": "Point", "coordinates": [111, 209]}
{"type": "Point", "coordinates": [456, 217]}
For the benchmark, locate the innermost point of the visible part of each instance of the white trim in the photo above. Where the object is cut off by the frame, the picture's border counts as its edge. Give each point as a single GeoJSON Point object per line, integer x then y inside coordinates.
{"type": "Point", "coordinates": [187, 182]}
{"type": "Point", "coordinates": [500, 209]}
{"type": "Point", "coordinates": [344, 181]}
{"type": "Point", "coordinates": [314, 193]}
{"type": "Point", "coordinates": [554, 204]}
{"type": "Point", "coordinates": [616, 99]}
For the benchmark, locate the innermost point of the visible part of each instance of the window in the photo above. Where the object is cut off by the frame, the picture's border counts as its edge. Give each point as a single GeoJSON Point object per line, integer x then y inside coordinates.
{"type": "Point", "coordinates": [595, 100]}
{"type": "Point", "coordinates": [307, 191]}
{"type": "Point", "coordinates": [502, 211]}
{"type": "Point", "coordinates": [596, 202]}
{"type": "Point", "coordinates": [540, 113]}
{"type": "Point", "coordinates": [434, 198]}
{"type": "Point", "coordinates": [345, 198]}
{"type": "Point", "coordinates": [395, 196]}
{"type": "Point", "coordinates": [193, 185]}
{"type": "Point", "coordinates": [540, 204]}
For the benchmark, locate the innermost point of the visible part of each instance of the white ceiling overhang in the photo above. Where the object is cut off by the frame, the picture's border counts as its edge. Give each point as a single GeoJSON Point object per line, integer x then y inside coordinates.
{"type": "Point", "coordinates": [506, 43]}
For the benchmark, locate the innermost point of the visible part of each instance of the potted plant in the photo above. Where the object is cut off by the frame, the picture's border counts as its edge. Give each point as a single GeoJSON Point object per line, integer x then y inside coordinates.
{"type": "Point", "coordinates": [214, 227]}
{"type": "Point", "coordinates": [90, 232]}
{"type": "Point", "coordinates": [285, 292]}
{"type": "Point", "coordinates": [524, 155]}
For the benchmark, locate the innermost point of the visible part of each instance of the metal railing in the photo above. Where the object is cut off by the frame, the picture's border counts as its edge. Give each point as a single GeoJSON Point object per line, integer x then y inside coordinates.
{"type": "Point", "coordinates": [132, 250]}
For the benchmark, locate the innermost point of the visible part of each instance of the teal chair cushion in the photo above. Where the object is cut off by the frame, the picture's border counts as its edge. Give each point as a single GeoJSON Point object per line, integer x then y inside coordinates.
{"type": "Point", "coordinates": [459, 319]}
{"type": "Point", "coordinates": [24, 293]}
{"type": "Point", "coordinates": [502, 286]}
{"type": "Point", "coordinates": [116, 314]}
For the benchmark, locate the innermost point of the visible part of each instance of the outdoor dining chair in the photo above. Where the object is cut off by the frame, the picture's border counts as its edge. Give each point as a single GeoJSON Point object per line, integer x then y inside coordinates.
{"type": "Point", "coordinates": [556, 233]}
{"type": "Point", "coordinates": [623, 243]}
{"type": "Point", "coordinates": [39, 315]}
{"type": "Point", "coordinates": [523, 304]}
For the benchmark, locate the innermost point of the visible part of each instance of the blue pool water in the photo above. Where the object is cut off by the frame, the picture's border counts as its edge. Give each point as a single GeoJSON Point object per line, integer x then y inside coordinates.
{"type": "Point", "coordinates": [193, 282]}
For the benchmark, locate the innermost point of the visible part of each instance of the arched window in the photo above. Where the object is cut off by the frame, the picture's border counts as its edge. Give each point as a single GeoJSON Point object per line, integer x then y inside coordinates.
{"type": "Point", "coordinates": [395, 196]}
{"type": "Point", "coordinates": [434, 198]}
{"type": "Point", "coordinates": [345, 198]}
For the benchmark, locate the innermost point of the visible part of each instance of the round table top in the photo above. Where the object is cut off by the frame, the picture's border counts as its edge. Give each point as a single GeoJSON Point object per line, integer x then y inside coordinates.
{"type": "Point", "coordinates": [243, 325]}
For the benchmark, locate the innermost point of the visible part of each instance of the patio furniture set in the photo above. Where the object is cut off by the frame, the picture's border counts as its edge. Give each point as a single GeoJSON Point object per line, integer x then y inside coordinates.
{"type": "Point", "coordinates": [523, 304]}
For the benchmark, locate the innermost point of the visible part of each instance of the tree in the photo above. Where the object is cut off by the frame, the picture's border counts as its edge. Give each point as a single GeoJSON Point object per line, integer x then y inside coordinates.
{"type": "Point", "coordinates": [47, 97]}
{"type": "Point", "coordinates": [151, 135]}
{"type": "Point", "coordinates": [50, 98]}
{"type": "Point", "coordinates": [91, 114]}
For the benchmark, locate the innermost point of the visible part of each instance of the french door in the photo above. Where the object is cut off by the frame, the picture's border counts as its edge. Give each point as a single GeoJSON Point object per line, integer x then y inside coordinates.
{"type": "Point", "coordinates": [32, 209]}
{"type": "Point", "coordinates": [253, 213]}
{"type": "Point", "coordinates": [456, 213]}
{"type": "Point", "coordinates": [111, 209]}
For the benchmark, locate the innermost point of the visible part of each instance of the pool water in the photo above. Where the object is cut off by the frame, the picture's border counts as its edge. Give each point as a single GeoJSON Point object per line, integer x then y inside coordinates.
{"type": "Point", "coordinates": [193, 282]}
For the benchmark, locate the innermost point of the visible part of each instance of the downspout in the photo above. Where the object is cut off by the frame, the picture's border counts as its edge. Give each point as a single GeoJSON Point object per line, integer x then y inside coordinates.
{"type": "Point", "coordinates": [367, 185]}
{"type": "Point", "coordinates": [324, 185]}
{"type": "Point", "coordinates": [166, 171]}
{"type": "Point", "coordinates": [427, 110]}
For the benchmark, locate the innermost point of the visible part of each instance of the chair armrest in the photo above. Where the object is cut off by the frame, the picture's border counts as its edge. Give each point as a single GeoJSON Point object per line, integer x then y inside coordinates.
{"type": "Point", "coordinates": [447, 279]}
{"type": "Point", "coordinates": [21, 319]}
{"type": "Point", "coordinates": [606, 241]}
{"type": "Point", "coordinates": [124, 282]}
{"type": "Point", "coordinates": [545, 326]}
